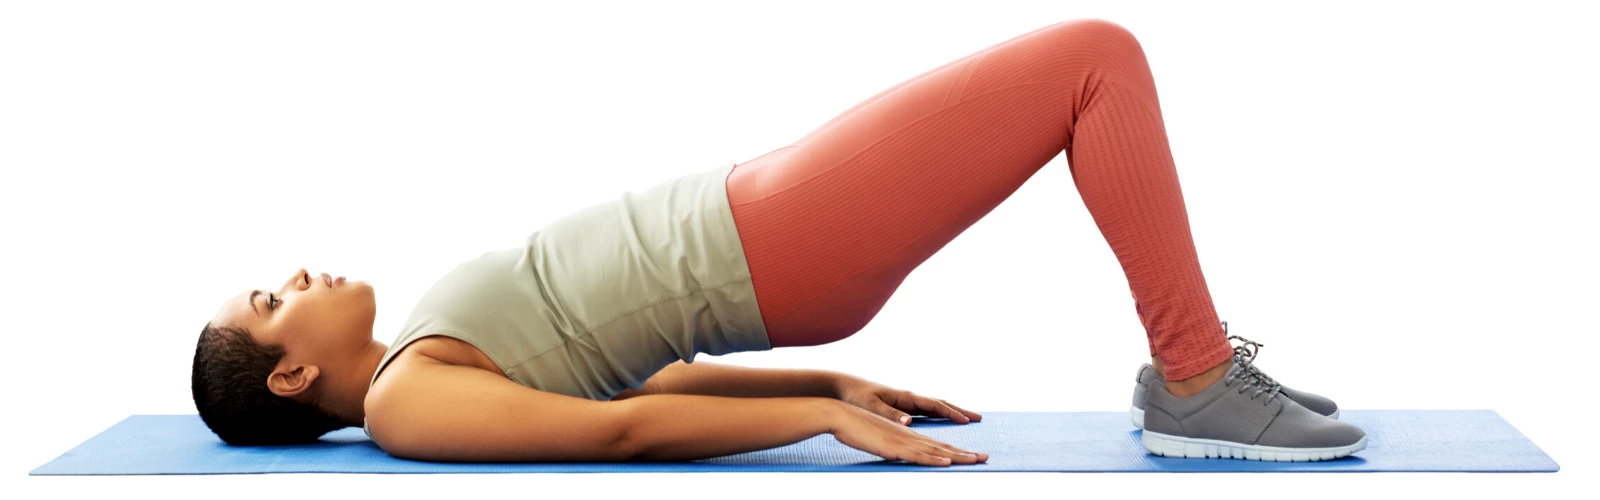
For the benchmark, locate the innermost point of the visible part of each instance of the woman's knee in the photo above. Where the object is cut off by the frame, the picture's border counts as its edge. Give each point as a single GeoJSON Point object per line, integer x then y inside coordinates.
{"type": "Point", "coordinates": [1111, 32]}
{"type": "Point", "coordinates": [1098, 45]}
{"type": "Point", "coordinates": [1114, 45]}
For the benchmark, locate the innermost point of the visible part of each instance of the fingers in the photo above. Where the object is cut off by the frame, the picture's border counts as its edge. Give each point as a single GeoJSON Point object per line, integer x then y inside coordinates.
{"type": "Point", "coordinates": [944, 454]}
{"type": "Point", "coordinates": [927, 454]}
{"type": "Point", "coordinates": [883, 409]}
{"type": "Point", "coordinates": [921, 458]}
{"type": "Point", "coordinates": [931, 406]}
{"type": "Point", "coordinates": [937, 407]}
{"type": "Point", "coordinates": [974, 416]}
{"type": "Point", "coordinates": [917, 456]}
{"type": "Point", "coordinates": [958, 454]}
{"type": "Point", "coordinates": [896, 442]}
{"type": "Point", "coordinates": [939, 452]}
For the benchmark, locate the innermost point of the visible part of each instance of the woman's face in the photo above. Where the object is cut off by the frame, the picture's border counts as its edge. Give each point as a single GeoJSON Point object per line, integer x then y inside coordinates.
{"type": "Point", "coordinates": [315, 322]}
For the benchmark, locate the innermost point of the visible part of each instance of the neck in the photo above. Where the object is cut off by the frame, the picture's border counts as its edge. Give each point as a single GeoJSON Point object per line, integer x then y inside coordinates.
{"type": "Point", "coordinates": [349, 396]}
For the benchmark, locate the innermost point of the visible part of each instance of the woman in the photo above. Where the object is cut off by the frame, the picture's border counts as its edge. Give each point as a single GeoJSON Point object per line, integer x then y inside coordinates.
{"type": "Point", "coordinates": [579, 345]}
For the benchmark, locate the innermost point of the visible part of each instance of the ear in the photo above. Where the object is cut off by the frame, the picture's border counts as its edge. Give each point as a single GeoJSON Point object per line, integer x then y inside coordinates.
{"type": "Point", "coordinates": [292, 381]}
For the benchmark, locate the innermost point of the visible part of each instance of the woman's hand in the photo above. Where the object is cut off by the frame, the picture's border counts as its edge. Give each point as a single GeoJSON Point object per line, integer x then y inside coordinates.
{"type": "Point", "coordinates": [870, 432]}
{"type": "Point", "coordinates": [893, 404]}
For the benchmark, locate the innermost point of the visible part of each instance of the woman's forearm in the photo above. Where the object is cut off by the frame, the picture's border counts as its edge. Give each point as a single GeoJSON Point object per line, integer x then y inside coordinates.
{"type": "Point", "coordinates": [710, 379]}
{"type": "Point", "coordinates": [672, 427]}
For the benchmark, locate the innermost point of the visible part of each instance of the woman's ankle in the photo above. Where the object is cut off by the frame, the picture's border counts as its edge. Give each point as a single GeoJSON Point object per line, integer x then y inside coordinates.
{"type": "Point", "coordinates": [1199, 382]}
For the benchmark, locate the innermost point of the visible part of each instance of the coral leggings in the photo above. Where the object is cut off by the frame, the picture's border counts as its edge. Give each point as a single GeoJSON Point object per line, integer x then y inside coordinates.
{"type": "Point", "coordinates": [832, 224]}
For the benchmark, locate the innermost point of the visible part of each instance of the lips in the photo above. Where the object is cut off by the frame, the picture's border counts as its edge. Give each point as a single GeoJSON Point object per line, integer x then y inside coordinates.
{"type": "Point", "coordinates": [330, 280]}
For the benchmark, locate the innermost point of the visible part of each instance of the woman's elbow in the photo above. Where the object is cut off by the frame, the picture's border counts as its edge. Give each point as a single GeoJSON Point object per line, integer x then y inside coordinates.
{"type": "Point", "coordinates": [626, 443]}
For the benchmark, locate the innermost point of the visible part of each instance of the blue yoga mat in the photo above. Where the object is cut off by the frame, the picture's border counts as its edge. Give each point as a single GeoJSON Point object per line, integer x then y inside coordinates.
{"type": "Point", "coordinates": [1102, 441]}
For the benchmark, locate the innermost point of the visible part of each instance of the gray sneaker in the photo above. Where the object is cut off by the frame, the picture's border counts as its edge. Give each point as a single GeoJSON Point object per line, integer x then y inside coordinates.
{"type": "Point", "coordinates": [1243, 415]}
{"type": "Point", "coordinates": [1241, 354]}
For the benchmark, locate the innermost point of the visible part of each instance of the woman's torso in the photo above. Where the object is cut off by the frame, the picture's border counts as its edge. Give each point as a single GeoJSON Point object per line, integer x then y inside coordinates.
{"type": "Point", "coordinates": [597, 301]}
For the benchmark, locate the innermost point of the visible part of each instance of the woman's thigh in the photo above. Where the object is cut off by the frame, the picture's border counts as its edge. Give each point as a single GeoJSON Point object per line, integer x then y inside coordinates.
{"type": "Point", "coordinates": [832, 224]}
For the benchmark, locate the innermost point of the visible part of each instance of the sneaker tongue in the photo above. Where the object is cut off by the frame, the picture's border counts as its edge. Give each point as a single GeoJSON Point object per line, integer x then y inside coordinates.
{"type": "Point", "coordinates": [1245, 377]}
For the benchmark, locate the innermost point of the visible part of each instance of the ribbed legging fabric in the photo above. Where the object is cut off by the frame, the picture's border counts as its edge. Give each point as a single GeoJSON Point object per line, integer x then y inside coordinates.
{"type": "Point", "coordinates": [833, 223]}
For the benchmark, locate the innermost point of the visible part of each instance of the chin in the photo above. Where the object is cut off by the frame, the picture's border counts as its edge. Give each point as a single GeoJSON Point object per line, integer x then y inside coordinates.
{"type": "Point", "coordinates": [370, 306]}
{"type": "Point", "coordinates": [361, 305]}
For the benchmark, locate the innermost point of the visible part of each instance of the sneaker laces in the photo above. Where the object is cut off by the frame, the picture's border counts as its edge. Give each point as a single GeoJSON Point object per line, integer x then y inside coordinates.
{"type": "Point", "coordinates": [1252, 377]}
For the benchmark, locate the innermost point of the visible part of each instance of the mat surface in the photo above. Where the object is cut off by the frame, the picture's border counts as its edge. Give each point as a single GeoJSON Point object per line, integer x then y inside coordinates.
{"type": "Point", "coordinates": [1397, 441]}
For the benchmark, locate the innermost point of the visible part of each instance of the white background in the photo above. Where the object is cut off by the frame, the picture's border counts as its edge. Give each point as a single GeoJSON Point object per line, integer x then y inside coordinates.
{"type": "Point", "coordinates": [1397, 199]}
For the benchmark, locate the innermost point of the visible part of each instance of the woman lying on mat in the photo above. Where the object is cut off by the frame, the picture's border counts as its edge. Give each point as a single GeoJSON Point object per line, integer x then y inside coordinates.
{"type": "Point", "coordinates": [579, 344]}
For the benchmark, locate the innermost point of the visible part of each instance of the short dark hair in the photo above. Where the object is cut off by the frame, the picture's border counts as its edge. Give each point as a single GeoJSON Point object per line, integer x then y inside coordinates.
{"type": "Point", "coordinates": [230, 391]}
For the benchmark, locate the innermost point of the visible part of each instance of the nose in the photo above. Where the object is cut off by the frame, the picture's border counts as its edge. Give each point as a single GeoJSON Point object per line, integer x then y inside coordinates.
{"type": "Point", "coordinates": [299, 280]}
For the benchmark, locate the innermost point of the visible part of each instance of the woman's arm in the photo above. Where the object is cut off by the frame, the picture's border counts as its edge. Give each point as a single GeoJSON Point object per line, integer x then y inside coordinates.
{"type": "Point", "coordinates": [688, 427]}
{"type": "Point", "coordinates": [709, 379]}
{"type": "Point", "coordinates": [668, 427]}
{"type": "Point", "coordinates": [735, 381]}
{"type": "Point", "coordinates": [442, 412]}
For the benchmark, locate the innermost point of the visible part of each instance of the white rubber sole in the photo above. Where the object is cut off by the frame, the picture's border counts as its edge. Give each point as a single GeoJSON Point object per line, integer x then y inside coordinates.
{"type": "Point", "coordinates": [1184, 447]}
{"type": "Point", "coordinates": [1137, 415]}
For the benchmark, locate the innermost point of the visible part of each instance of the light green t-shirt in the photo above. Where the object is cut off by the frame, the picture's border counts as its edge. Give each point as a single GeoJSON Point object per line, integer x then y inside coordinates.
{"type": "Point", "coordinates": [598, 301]}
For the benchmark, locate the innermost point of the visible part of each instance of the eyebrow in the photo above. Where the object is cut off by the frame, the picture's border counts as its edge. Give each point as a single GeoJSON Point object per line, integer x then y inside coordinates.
{"type": "Point", "coordinates": [253, 294]}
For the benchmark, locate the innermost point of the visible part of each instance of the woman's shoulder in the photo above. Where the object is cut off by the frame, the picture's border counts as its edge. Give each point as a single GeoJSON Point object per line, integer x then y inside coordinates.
{"type": "Point", "coordinates": [453, 351]}
{"type": "Point", "coordinates": [432, 349]}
